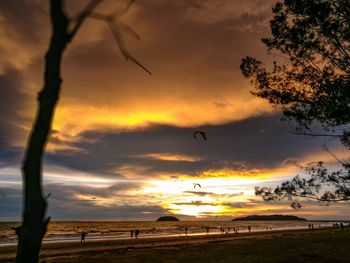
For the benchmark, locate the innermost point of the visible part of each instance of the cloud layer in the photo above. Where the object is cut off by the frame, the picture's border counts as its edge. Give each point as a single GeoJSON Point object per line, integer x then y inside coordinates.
{"type": "Point", "coordinates": [122, 140]}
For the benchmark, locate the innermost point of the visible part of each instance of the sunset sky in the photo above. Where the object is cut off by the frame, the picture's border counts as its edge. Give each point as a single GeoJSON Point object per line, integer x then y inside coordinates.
{"type": "Point", "coordinates": [121, 146]}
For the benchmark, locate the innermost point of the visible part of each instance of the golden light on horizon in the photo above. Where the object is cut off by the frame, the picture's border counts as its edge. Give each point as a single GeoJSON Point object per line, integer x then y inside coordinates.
{"type": "Point", "coordinates": [171, 157]}
{"type": "Point", "coordinates": [181, 197]}
{"type": "Point", "coordinates": [197, 211]}
{"type": "Point", "coordinates": [240, 176]}
{"type": "Point", "coordinates": [178, 112]}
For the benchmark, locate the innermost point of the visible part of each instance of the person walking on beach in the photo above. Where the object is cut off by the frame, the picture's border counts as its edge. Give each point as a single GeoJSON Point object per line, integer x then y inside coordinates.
{"type": "Point", "coordinates": [131, 233]}
{"type": "Point", "coordinates": [82, 238]}
{"type": "Point", "coordinates": [137, 233]}
{"type": "Point", "coordinates": [207, 230]}
{"type": "Point", "coordinates": [186, 230]}
{"type": "Point", "coordinates": [249, 229]}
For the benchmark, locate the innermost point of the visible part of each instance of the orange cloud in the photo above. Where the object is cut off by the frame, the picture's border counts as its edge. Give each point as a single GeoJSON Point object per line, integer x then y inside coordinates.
{"type": "Point", "coordinates": [170, 157]}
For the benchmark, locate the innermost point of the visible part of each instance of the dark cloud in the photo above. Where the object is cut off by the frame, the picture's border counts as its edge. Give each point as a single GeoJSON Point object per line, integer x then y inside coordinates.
{"type": "Point", "coordinates": [200, 193]}
{"type": "Point", "coordinates": [25, 16]}
{"type": "Point", "coordinates": [125, 186]}
{"type": "Point", "coordinates": [68, 191]}
{"type": "Point", "coordinates": [239, 204]}
{"type": "Point", "coordinates": [63, 205]}
{"type": "Point", "coordinates": [13, 101]}
{"type": "Point", "coordinates": [238, 146]}
{"type": "Point", "coordinates": [291, 161]}
{"type": "Point", "coordinates": [82, 210]}
{"type": "Point", "coordinates": [10, 205]}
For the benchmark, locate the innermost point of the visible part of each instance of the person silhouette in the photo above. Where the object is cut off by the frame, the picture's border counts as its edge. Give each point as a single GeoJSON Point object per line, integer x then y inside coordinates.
{"type": "Point", "coordinates": [137, 233]}
{"type": "Point", "coordinates": [82, 237]}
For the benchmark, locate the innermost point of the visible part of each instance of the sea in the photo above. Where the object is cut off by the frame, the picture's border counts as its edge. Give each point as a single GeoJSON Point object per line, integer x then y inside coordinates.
{"type": "Point", "coordinates": [70, 231]}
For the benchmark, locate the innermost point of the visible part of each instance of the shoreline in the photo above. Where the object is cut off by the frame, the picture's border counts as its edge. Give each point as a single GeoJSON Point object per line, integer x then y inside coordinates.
{"type": "Point", "coordinates": [102, 238]}
{"type": "Point", "coordinates": [63, 249]}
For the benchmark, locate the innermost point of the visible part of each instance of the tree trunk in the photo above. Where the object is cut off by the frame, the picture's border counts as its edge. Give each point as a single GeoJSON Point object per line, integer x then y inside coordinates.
{"type": "Point", "coordinates": [34, 224]}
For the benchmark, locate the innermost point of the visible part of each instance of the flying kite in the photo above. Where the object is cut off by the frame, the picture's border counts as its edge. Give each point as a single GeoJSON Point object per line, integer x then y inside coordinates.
{"type": "Point", "coordinates": [194, 186]}
{"type": "Point", "coordinates": [202, 133]}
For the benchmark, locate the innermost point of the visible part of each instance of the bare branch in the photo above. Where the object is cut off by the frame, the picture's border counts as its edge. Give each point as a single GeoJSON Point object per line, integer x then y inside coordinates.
{"type": "Point", "coordinates": [127, 29]}
{"type": "Point", "coordinates": [118, 12]}
{"type": "Point", "coordinates": [79, 20]}
{"type": "Point", "coordinates": [335, 157]}
{"type": "Point", "coordinates": [316, 134]}
{"type": "Point", "coordinates": [117, 27]}
{"type": "Point", "coordinates": [321, 200]}
{"type": "Point", "coordinates": [119, 39]}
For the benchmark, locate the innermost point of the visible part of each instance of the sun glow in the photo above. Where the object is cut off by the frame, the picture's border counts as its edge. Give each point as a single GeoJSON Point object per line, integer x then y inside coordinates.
{"type": "Point", "coordinates": [198, 211]}
{"type": "Point", "coordinates": [137, 114]}
{"type": "Point", "coordinates": [171, 157]}
{"type": "Point", "coordinates": [215, 197]}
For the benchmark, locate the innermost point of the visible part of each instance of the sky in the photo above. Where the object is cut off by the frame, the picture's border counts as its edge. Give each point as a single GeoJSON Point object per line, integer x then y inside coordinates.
{"type": "Point", "coordinates": [121, 143]}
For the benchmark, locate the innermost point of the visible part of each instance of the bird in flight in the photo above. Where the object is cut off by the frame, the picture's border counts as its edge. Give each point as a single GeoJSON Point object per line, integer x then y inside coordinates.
{"type": "Point", "coordinates": [194, 186]}
{"type": "Point", "coordinates": [202, 133]}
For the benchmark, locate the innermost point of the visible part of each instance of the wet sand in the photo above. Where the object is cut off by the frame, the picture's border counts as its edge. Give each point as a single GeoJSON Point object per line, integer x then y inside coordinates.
{"type": "Point", "coordinates": [322, 245]}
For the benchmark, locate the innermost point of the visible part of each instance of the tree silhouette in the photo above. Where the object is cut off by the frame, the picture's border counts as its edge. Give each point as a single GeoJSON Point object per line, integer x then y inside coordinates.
{"type": "Point", "coordinates": [323, 185]}
{"type": "Point", "coordinates": [63, 31]}
{"type": "Point", "coordinates": [311, 83]}
{"type": "Point", "coordinates": [313, 37]}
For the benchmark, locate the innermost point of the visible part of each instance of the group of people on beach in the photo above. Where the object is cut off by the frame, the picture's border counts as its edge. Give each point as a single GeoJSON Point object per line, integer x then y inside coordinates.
{"type": "Point", "coordinates": [135, 233]}
{"type": "Point", "coordinates": [234, 230]}
{"type": "Point", "coordinates": [228, 230]}
{"type": "Point", "coordinates": [339, 225]}
{"type": "Point", "coordinates": [311, 227]}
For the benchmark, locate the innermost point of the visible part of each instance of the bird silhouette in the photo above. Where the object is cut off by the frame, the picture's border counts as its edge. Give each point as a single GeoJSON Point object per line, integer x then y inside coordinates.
{"type": "Point", "coordinates": [202, 133]}
{"type": "Point", "coordinates": [194, 186]}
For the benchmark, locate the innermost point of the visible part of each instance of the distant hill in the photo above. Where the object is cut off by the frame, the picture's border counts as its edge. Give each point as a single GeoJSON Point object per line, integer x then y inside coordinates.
{"type": "Point", "coordinates": [268, 217]}
{"type": "Point", "coordinates": [168, 218]}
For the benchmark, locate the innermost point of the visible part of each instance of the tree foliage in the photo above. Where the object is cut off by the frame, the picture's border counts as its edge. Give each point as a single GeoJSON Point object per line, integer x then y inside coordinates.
{"type": "Point", "coordinates": [311, 80]}
{"type": "Point", "coordinates": [322, 185]}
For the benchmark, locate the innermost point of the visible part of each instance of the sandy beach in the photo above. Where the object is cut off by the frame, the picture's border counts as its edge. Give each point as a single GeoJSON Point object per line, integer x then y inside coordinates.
{"type": "Point", "coordinates": [322, 245]}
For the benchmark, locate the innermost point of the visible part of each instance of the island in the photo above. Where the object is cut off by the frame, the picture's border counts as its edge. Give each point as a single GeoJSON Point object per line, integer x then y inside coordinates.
{"type": "Point", "coordinates": [168, 218]}
{"type": "Point", "coordinates": [269, 218]}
